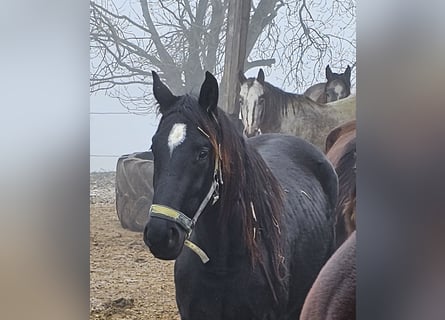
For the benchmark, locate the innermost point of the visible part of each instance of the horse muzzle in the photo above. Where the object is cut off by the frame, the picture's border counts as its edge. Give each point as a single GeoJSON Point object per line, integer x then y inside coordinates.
{"type": "Point", "coordinates": [179, 228]}
{"type": "Point", "coordinates": [164, 238]}
{"type": "Point", "coordinates": [252, 132]}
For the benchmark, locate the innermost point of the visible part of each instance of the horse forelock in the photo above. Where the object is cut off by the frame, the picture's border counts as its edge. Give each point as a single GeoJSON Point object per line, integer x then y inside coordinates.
{"type": "Point", "coordinates": [187, 105]}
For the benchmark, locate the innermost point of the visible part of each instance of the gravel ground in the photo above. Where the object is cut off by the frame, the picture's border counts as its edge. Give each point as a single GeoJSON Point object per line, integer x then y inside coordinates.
{"type": "Point", "coordinates": [126, 281]}
{"type": "Point", "coordinates": [102, 188]}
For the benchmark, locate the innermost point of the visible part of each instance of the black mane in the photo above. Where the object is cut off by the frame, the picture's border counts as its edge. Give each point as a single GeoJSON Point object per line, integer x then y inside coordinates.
{"type": "Point", "coordinates": [286, 100]}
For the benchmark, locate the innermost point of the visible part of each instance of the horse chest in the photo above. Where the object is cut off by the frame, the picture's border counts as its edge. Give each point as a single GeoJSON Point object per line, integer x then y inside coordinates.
{"type": "Point", "coordinates": [206, 295]}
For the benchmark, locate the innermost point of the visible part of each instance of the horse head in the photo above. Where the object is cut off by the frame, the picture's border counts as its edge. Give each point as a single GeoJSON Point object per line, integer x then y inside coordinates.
{"type": "Point", "coordinates": [186, 175]}
{"type": "Point", "coordinates": [338, 85]}
{"type": "Point", "coordinates": [252, 103]}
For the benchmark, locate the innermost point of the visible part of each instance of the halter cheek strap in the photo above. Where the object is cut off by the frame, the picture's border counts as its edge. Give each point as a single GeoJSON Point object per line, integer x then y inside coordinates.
{"type": "Point", "coordinates": [167, 213]}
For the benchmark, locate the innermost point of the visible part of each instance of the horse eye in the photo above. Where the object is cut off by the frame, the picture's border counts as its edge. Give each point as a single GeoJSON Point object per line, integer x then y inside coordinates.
{"type": "Point", "coordinates": [261, 100]}
{"type": "Point", "coordinates": [203, 154]}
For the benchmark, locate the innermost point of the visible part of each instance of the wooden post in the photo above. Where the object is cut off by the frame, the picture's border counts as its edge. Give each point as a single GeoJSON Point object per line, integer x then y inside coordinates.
{"type": "Point", "coordinates": [235, 55]}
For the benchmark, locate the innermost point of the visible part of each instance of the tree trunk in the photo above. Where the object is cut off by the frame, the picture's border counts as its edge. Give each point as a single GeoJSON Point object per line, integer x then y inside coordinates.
{"type": "Point", "coordinates": [238, 24]}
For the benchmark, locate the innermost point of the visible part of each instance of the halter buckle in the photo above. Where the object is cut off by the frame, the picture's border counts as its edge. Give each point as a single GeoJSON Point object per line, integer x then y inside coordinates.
{"type": "Point", "coordinates": [215, 197]}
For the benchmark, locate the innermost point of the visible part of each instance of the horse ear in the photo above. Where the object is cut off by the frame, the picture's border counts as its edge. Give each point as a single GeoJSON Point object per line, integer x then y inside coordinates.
{"type": "Point", "coordinates": [260, 76]}
{"type": "Point", "coordinates": [348, 72]}
{"type": "Point", "coordinates": [162, 94]}
{"type": "Point", "coordinates": [241, 77]}
{"type": "Point", "coordinates": [328, 72]}
{"type": "Point", "coordinates": [208, 96]}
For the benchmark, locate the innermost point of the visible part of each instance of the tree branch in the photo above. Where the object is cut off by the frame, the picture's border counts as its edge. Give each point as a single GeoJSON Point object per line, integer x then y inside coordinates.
{"type": "Point", "coordinates": [183, 40]}
{"type": "Point", "coordinates": [258, 63]}
{"type": "Point", "coordinates": [169, 66]}
{"type": "Point", "coordinates": [264, 14]}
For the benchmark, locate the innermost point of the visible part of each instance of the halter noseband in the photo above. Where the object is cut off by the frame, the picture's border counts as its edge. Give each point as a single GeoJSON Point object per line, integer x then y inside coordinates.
{"type": "Point", "coordinates": [167, 213]}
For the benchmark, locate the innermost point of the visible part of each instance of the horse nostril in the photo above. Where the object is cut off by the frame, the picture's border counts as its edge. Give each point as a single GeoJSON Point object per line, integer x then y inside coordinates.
{"type": "Point", "coordinates": [173, 237]}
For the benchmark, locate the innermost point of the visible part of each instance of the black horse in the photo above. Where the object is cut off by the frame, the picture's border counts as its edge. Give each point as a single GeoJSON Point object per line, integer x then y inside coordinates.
{"type": "Point", "coordinates": [338, 86]}
{"type": "Point", "coordinates": [265, 209]}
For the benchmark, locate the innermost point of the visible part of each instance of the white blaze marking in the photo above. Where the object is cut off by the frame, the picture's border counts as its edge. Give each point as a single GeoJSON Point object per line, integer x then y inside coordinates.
{"type": "Point", "coordinates": [338, 89]}
{"type": "Point", "coordinates": [176, 136]}
{"type": "Point", "coordinates": [250, 96]}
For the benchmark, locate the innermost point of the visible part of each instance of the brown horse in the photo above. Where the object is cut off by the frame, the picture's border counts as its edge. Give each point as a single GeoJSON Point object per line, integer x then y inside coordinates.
{"type": "Point", "coordinates": [332, 295]}
{"type": "Point", "coordinates": [341, 151]}
{"type": "Point", "coordinates": [338, 86]}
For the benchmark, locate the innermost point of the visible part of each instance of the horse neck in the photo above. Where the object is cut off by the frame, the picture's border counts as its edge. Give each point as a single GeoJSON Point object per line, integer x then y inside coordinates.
{"type": "Point", "coordinates": [227, 229]}
{"type": "Point", "coordinates": [221, 241]}
{"type": "Point", "coordinates": [278, 103]}
{"type": "Point", "coordinates": [294, 106]}
{"type": "Point", "coordinates": [220, 228]}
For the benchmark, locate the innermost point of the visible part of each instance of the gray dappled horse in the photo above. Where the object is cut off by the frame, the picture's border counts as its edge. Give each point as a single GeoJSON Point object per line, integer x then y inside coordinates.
{"type": "Point", "coordinates": [265, 108]}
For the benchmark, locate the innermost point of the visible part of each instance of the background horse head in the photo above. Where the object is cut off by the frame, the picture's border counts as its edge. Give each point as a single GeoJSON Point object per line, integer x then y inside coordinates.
{"type": "Point", "coordinates": [341, 151]}
{"type": "Point", "coordinates": [338, 86]}
{"type": "Point", "coordinates": [265, 108]}
{"type": "Point", "coordinates": [262, 104]}
{"type": "Point", "coordinates": [252, 103]}
{"type": "Point", "coordinates": [260, 226]}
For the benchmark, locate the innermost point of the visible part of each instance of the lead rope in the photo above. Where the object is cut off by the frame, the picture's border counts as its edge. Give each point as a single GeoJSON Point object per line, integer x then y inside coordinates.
{"type": "Point", "coordinates": [199, 252]}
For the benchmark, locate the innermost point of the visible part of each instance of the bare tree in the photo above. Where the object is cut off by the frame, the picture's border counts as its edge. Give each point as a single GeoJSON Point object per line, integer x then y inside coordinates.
{"type": "Point", "coordinates": [182, 38]}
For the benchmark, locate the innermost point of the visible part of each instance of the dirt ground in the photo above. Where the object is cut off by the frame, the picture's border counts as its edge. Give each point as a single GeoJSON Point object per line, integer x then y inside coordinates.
{"type": "Point", "coordinates": [126, 281]}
